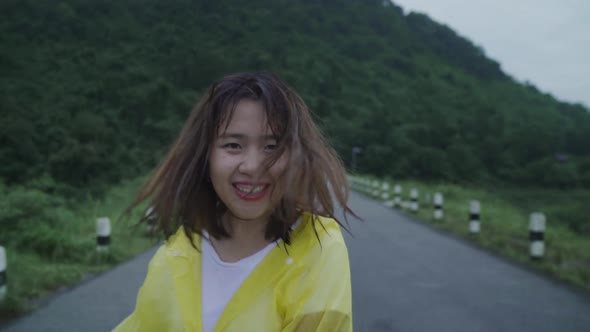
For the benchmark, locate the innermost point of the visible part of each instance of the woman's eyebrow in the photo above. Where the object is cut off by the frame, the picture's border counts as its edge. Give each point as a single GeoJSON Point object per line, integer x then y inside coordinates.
{"type": "Point", "coordinates": [232, 135]}
{"type": "Point", "coordinates": [244, 136]}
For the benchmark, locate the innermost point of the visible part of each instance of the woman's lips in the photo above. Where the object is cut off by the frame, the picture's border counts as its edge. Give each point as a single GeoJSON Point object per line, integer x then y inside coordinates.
{"type": "Point", "coordinates": [250, 196]}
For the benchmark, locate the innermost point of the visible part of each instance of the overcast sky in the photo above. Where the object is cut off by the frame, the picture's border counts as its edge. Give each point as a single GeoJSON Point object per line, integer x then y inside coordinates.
{"type": "Point", "coordinates": [545, 42]}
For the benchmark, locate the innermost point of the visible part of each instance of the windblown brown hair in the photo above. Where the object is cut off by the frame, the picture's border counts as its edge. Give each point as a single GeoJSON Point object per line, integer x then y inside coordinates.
{"type": "Point", "coordinates": [180, 191]}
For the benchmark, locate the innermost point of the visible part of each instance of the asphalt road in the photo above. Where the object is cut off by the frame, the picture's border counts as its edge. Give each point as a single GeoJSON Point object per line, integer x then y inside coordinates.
{"type": "Point", "coordinates": [406, 277]}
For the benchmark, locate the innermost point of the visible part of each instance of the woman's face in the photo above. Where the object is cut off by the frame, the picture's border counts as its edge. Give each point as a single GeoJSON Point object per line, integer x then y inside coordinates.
{"type": "Point", "coordinates": [237, 161]}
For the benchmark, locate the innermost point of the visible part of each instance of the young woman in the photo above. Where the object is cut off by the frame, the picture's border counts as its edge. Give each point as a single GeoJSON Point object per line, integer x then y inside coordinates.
{"type": "Point", "coordinates": [246, 199]}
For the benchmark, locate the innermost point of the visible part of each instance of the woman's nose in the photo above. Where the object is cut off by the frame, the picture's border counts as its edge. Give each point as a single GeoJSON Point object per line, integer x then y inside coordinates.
{"type": "Point", "coordinates": [252, 162]}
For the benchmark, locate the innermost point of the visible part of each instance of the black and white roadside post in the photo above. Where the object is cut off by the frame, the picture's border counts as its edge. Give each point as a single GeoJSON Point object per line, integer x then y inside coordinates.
{"type": "Point", "coordinates": [385, 195]}
{"type": "Point", "coordinates": [537, 235]}
{"type": "Point", "coordinates": [474, 211]}
{"type": "Point", "coordinates": [397, 191]}
{"type": "Point", "coordinates": [150, 219]}
{"type": "Point", "coordinates": [376, 187]}
{"type": "Point", "coordinates": [103, 234]}
{"type": "Point", "coordinates": [3, 276]}
{"type": "Point", "coordinates": [384, 189]}
{"type": "Point", "coordinates": [414, 206]}
{"type": "Point", "coordinates": [438, 206]}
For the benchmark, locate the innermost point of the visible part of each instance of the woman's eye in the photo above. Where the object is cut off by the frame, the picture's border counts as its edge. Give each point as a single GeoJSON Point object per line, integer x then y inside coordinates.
{"type": "Point", "coordinates": [232, 146]}
{"type": "Point", "coordinates": [271, 147]}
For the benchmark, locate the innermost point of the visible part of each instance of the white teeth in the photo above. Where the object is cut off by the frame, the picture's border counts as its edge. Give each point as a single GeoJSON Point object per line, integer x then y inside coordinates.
{"type": "Point", "coordinates": [248, 189]}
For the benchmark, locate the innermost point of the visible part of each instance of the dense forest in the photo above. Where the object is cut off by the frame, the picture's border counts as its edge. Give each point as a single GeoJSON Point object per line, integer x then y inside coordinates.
{"type": "Point", "coordinates": [93, 92]}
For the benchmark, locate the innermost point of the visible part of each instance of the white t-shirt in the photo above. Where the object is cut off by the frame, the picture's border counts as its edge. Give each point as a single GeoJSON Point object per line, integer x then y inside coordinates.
{"type": "Point", "coordinates": [220, 280]}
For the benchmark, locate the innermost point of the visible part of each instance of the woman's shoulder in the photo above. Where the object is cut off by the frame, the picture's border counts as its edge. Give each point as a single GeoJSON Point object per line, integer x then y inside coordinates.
{"type": "Point", "coordinates": [318, 238]}
{"type": "Point", "coordinates": [180, 243]}
{"type": "Point", "coordinates": [321, 228]}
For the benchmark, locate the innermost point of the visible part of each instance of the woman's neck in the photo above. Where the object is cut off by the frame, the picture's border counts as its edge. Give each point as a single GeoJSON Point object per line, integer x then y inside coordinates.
{"type": "Point", "coordinates": [245, 229]}
{"type": "Point", "coordinates": [247, 237]}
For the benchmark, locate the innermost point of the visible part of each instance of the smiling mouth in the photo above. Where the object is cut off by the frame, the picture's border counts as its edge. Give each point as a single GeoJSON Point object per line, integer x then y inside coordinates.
{"type": "Point", "coordinates": [249, 192]}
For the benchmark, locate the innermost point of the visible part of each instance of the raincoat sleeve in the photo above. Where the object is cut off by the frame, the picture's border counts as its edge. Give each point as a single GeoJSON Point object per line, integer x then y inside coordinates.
{"type": "Point", "coordinates": [152, 309]}
{"type": "Point", "coordinates": [320, 300]}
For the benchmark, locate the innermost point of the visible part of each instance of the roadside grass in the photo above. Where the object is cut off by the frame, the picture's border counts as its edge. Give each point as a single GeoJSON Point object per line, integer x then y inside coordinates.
{"type": "Point", "coordinates": [60, 251]}
{"type": "Point", "coordinates": [504, 220]}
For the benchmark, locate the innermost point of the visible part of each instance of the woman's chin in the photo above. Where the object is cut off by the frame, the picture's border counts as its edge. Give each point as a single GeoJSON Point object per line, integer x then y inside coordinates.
{"type": "Point", "coordinates": [253, 215]}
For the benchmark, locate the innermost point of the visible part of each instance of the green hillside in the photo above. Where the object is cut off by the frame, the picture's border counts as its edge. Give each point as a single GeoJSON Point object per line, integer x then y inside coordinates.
{"type": "Point", "coordinates": [92, 92]}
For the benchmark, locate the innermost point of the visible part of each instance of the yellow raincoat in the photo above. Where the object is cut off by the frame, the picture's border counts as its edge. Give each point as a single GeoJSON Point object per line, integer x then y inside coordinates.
{"type": "Point", "coordinates": [304, 288]}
